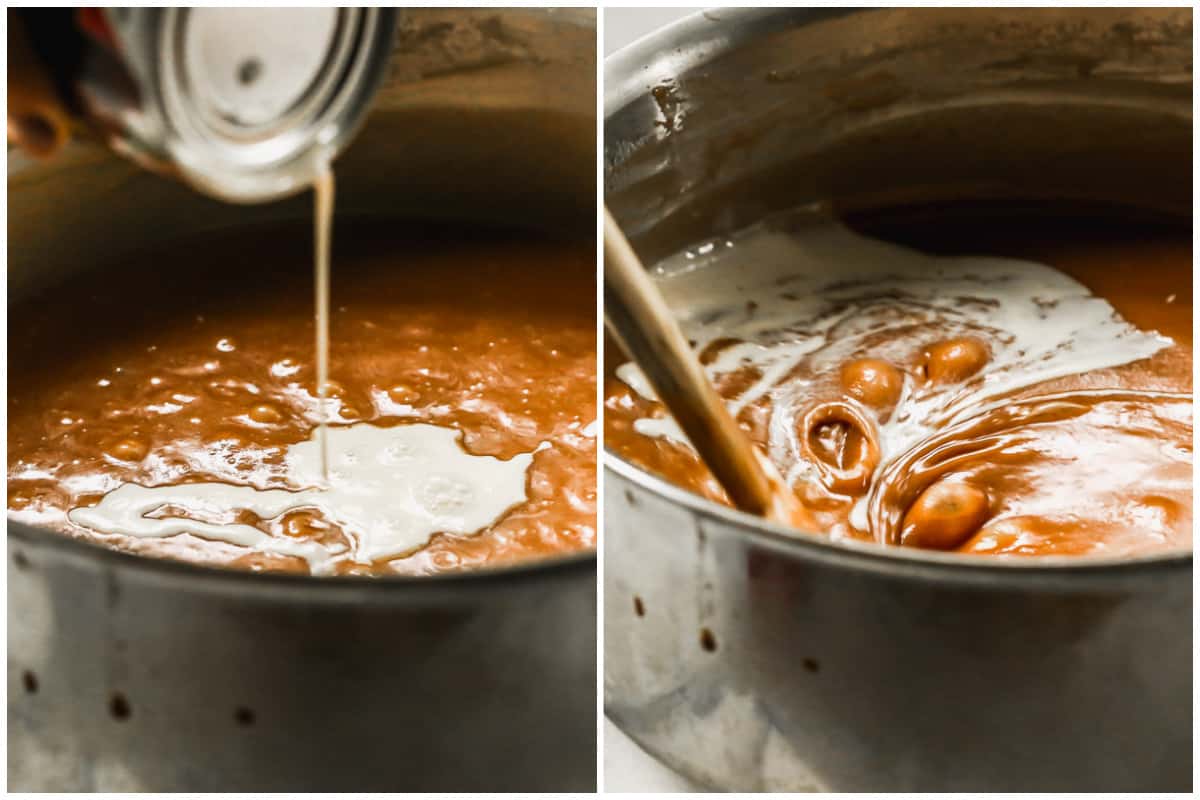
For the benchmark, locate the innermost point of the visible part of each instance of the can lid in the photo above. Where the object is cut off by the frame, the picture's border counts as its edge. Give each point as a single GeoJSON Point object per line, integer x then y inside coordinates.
{"type": "Point", "coordinates": [257, 101]}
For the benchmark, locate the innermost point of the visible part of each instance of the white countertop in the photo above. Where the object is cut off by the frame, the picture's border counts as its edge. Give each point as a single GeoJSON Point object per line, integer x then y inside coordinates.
{"type": "Point", "coordinates": [629, 768]}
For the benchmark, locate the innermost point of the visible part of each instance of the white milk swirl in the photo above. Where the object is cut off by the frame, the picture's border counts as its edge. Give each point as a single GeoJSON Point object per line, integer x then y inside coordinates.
{"type": "Point", "coordinates": [389, 489]}
{"type": "Point", "coordinates": [804, 296]}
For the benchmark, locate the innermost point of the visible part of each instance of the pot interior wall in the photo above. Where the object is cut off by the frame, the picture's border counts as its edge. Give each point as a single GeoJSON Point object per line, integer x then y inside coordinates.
{"type": "Point", "coordinates": [892, 107]}
{"type": "Point", "coordinates": [487, 114]}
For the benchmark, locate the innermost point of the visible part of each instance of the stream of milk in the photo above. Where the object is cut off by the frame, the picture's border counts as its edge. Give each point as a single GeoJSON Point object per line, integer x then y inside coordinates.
{"type": "Point", "coordinates": [323, 197]}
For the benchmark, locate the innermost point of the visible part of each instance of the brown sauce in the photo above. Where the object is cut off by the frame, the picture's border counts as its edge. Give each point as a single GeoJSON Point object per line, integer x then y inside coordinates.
{"type": "Point", "coordinates": [196, 365]}
{"type": "Point", "coordinates": [1096, 463]}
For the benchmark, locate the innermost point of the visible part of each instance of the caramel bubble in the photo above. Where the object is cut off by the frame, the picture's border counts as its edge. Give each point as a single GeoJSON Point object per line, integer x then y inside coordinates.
{"type": "Point", "coordinates": [872, 382]}
{"type": "Point", "coordinates": [955, 360]}
{"type": "Point", "coordinates": [843, 444]}
{"type": "Point", "coordinates": [944, 516]}
{"type": "Point", "coordinates": [334, 389]}
{"type": "Point", "coordinates": [128, 449]}
{"type": "Point", "coordinates": [266, 413]}
{"type": "Point", "coordinates": [404, 394]}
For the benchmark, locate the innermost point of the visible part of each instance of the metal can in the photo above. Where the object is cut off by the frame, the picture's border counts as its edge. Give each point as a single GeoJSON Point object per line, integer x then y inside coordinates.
{"type": "Point", "coordinates": [244, 104]}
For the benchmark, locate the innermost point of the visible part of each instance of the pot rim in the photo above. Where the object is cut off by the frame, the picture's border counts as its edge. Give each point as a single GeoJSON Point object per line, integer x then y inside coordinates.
{"type": "Point", "coordinates": [625, 72]}
{"type": "Point", "coordinates": [180, 574]}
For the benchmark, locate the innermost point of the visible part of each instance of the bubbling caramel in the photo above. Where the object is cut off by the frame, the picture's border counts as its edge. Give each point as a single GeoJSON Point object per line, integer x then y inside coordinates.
{"type": "Point", "coordinates": [189, 376]}
{"type": "Point", "coordinates": [944, 515]}
{"type": "Point", "coordinates": [1034, 401]}
{"type": "Point", "coordinates": [954, 360]}
{"type": "Point", "coordinates": [872, 382]}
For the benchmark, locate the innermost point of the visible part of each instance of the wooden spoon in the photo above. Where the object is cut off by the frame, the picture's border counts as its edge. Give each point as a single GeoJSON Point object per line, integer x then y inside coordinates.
{"type": "Point", "coordinates": [638, 316]}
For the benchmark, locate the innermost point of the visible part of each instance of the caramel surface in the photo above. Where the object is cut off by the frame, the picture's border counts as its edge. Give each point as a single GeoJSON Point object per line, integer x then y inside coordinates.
{"type": "Point", "coordinates": [196, 365]}
{"type": "Point", "coordinates": [1096, 463]}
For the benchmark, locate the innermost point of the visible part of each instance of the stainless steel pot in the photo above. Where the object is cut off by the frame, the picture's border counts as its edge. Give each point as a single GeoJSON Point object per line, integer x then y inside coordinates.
{"type": "Point", "coordinates": [134, 674]}
{"type": "Point", "coordinates": [748, 658]}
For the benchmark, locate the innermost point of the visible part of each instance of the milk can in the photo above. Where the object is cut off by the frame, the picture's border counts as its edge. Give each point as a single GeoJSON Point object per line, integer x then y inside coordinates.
{"type": "Point", "coordinates": [244, 104]}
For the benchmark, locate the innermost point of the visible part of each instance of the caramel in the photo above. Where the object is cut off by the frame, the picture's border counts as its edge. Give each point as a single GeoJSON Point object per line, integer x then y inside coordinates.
{"type": "Point", "coordinates": [1018, 384]}
{"type": "Point", "coordinates": [194, 367]}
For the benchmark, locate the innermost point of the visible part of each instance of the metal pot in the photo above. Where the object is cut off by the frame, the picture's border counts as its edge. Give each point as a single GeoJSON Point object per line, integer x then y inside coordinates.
{"type": "Point", "coordinates": [749, 658]}
{"type": "Point", "coordinates": [130, 674]}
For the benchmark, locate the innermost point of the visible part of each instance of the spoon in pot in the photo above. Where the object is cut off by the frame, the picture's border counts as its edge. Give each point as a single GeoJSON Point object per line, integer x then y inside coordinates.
{"type": "Point", "coordinates": [638, 316]}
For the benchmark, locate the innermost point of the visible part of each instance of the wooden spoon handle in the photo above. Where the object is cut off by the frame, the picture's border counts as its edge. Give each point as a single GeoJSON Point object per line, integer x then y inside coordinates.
{"type": "Point", "coordinates": [639, 318]}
